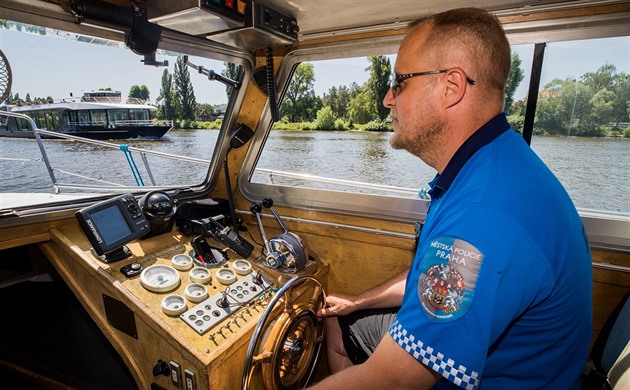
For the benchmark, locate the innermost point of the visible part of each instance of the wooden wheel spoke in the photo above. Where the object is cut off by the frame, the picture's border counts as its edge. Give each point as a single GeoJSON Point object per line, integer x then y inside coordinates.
{"type": "Point", "coordinates": [262, 357]}
{"type": "Point", "coordinates": [313, 302]}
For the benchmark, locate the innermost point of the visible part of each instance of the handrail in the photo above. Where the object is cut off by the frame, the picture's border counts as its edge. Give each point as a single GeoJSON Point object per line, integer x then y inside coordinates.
{"type": "Point", "coordinates": [115, 146]}
{"type": "Point", "coordinates": [422, 193]}
{"type": "Point", "coordinates": [126, 148]}
{"type": "Point", "coordinates": [348, 183]}
{"type": "Point", "coordinates": [124, 122]}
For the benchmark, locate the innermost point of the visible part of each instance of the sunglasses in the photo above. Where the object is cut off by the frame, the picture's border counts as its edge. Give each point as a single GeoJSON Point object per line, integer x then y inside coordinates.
{"type": "Point", "coordinates": [399, 78]}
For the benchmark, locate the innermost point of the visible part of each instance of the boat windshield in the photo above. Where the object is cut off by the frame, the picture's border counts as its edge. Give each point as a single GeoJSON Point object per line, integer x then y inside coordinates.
{"type": "Point", "coordinates": [160, 122]}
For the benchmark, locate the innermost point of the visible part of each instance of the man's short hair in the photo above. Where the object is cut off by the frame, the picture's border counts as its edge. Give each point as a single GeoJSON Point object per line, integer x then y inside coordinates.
{"type": "Point", "coordinates": [480, 35]}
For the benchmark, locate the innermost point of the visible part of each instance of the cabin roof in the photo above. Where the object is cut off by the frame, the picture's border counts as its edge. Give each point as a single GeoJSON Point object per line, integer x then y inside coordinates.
{"type": "Point", "coordinates": [329, 19]}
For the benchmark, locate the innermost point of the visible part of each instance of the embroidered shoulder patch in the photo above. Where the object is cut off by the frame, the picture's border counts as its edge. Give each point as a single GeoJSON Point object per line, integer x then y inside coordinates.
{"type": "Point", "coordinates": [448, 275]}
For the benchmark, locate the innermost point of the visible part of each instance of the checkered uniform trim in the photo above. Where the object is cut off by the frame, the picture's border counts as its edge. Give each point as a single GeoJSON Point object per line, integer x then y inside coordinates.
{"type": "Point", "coordinates": [451, 371]}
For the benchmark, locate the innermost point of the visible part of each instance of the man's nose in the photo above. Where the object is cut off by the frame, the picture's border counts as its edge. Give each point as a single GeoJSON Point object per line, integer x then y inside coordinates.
{"type": "Point", "coordinates": [388, 100]}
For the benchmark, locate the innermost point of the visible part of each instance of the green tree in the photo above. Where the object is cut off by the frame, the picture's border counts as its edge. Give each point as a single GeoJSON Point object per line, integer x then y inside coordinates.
{"type": "Point", "coordinates": [231, 72]}
{"type": "Point", "coordinates": [378, 84]}
{"type": "Point", "coordinates": [204, 112]}
{"type": "Point", "coordinates": [325, 119]}
{"type": "Point", "coordinates": [15, 99]}
{"type": "Point", "coordinates": [167, 97]}
{"type": "Point", "coordinates": [338, 99]}
{"type": "Point", "coordinates": [184, 90]}
{"type": "Point", "coordinates": [574, 107]}
{"type": "Point", "coordinates": [139, 92]}
{"type": "Point", "coordinates": [361, 108]}
{"type": "Point", "coordinates": [602, 104]}
{"type": "Point", "coordinates": [621, 88]}
{"type": "Point", "coordinates": [331, 100]}
{"type": "Point", "coordinates": [514, 80]}
{"type": "Point", "coordinates": [603, 78]}
{"type": "Point", "coordinates": [300, 103]}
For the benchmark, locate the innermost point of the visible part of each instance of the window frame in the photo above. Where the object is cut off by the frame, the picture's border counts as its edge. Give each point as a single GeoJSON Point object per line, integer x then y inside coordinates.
{"type": "Point", "coordinates": [606, 230]}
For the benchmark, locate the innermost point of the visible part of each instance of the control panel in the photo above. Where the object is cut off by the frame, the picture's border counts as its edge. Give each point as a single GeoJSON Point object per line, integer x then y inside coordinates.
{"type": "Point", "coordinates": [218, 307]}
{"type": "Point", "coordinates": [198, 17]}
{"type": "Point", "coordinates": [275, 22]}
{"type": "Point", "coordinates": [246, 23]}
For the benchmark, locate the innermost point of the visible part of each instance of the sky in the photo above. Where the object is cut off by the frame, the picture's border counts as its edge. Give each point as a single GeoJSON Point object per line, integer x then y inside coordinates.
{"type": "Point", "coordinates": [51, 66]}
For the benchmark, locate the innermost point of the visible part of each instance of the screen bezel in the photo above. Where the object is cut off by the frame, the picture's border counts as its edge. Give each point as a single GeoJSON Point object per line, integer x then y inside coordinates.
{"type": "Point", "coordinates": [96, 232]}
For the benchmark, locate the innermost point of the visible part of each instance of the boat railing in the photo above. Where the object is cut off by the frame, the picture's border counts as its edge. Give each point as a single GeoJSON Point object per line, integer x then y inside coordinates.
{"type": "Point", "coordinates": [124, 122]}
{"type": "Point", "coordinates": [87, 123]}
{"type": "Point", "coordinates": [143, 122]}
{"type": "Point", "coordinates": [102, 185]}
{"type": "Point", "coordinates": [371, 187]}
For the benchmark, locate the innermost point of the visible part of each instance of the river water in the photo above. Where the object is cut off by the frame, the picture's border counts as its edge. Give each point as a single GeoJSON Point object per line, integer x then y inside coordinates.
{"type": "Point", "coordinates": [595, 171]}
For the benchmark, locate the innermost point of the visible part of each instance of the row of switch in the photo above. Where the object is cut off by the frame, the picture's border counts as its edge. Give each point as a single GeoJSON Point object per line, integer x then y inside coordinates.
{"type": "Point", "coordinates": [235, 5]}
{"type": "Point", "coordinates": [260, 301]}
{"type": "Point", "coordinates": [173, 369]}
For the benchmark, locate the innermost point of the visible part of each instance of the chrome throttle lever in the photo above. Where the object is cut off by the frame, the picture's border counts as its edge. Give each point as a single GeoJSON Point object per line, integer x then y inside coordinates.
{"type": "Point", "coordinates": [289, 245]}
{"type": "Point", "coordinates": [273, 259]}
{"type": "Point", "coordinates": [268, 203]}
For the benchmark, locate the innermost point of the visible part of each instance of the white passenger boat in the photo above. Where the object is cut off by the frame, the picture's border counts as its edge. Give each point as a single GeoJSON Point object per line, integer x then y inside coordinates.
{"type": "Point", "coordinates": [97, 115]}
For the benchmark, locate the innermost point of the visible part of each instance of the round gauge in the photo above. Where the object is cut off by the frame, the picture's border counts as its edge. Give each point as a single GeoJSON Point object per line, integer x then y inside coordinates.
{"type": "Point", "coordinates": [196, 292]}
{"type": "Point", "coordinates": [182, 262]}
{"type": "Point", "coordinates": [242, 267]}
{"type": "Point", "coordinates": [226, 276]}
{"type": "Point", "coordinates": [159, 278]}
{"type": "Point", "coordinates": [174, 305]}
{"type": "Point", "coordinates": [200, 275]}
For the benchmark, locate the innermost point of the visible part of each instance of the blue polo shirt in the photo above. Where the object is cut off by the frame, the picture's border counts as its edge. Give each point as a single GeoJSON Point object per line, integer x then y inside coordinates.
{"type": "Point", "coordinates": [499, 293]}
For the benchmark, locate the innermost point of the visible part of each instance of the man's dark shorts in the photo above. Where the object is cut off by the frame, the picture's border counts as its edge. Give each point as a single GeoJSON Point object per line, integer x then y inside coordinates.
{"type": "Point", "coordinates": [363, 330]}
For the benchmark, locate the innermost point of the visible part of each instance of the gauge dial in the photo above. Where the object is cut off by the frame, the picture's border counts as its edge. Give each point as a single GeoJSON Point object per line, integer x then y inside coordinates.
{"type": "Point", "coordinates": [159, 278]}
{"type": "Point", "coordinates": [182, 262]}
{"type": "Point", "coordinates": [242, 267]}
{"type": "Point", "coordinates": [200, 275]}
{"type": "Point", "coordinates": [174, 305]}
{"type": "Point", "coordinates": [196, 292]}
{"type": "Point", "coordinates": [226, 276]}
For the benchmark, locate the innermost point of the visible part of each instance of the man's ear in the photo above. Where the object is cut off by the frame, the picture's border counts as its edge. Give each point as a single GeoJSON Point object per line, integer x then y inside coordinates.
{"type": "Point", "coordinates": [456, 84]}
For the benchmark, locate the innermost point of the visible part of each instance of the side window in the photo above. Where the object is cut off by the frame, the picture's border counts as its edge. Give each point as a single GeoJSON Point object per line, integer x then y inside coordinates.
{"type": "Point", "coordinates": [102, 87]}
{"type": "Point", "coordinates": [334, 130]}
{"type": "Point", "coordinates": [331, 135]}
{"type": "Point", "coordinates": [334, 133]}
{"type": "Point", "coordinates": [582, 123]}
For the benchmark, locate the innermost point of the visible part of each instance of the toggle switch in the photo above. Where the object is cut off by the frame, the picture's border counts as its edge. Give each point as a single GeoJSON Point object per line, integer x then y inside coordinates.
{"type": "Point", "coordinates": [189, 377]}
{"type": "Point", "coordinates": [176, 374]}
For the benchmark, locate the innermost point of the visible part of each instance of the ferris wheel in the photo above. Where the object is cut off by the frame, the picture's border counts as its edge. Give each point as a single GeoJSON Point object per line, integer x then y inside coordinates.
{"type": "Point", "coordinates": [5, 78]}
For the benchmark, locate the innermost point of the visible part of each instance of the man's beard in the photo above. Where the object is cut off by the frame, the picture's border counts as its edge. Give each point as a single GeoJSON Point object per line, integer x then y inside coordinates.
{"type": "Point", "coordinates": [423, 141]}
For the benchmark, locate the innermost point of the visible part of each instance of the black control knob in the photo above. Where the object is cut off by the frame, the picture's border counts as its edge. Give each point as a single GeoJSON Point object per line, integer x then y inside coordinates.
{"type": "Point", "coordinates": [161, 368]}
{"type": "Point", "coordinates": [255, 208]}
{"type": "Point", "coordinates": [267, 202]}
{"type": "Point", "coordinates": [257, 278]}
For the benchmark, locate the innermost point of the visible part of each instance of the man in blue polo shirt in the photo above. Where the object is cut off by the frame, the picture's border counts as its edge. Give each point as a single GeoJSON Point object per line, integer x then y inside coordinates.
{"type": "Point", "coordinates": [499, 293]}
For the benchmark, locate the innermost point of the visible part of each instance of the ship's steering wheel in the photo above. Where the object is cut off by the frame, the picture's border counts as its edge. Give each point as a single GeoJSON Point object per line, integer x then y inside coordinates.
{"type": "Point", "coordinates": [288, 348]}
{"type": "Point", "coordinates": [5, 78]}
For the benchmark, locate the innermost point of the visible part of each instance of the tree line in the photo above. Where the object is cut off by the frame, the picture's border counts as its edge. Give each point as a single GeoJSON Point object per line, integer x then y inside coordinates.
{"type": "Point", "coordinates": [596, 104]}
